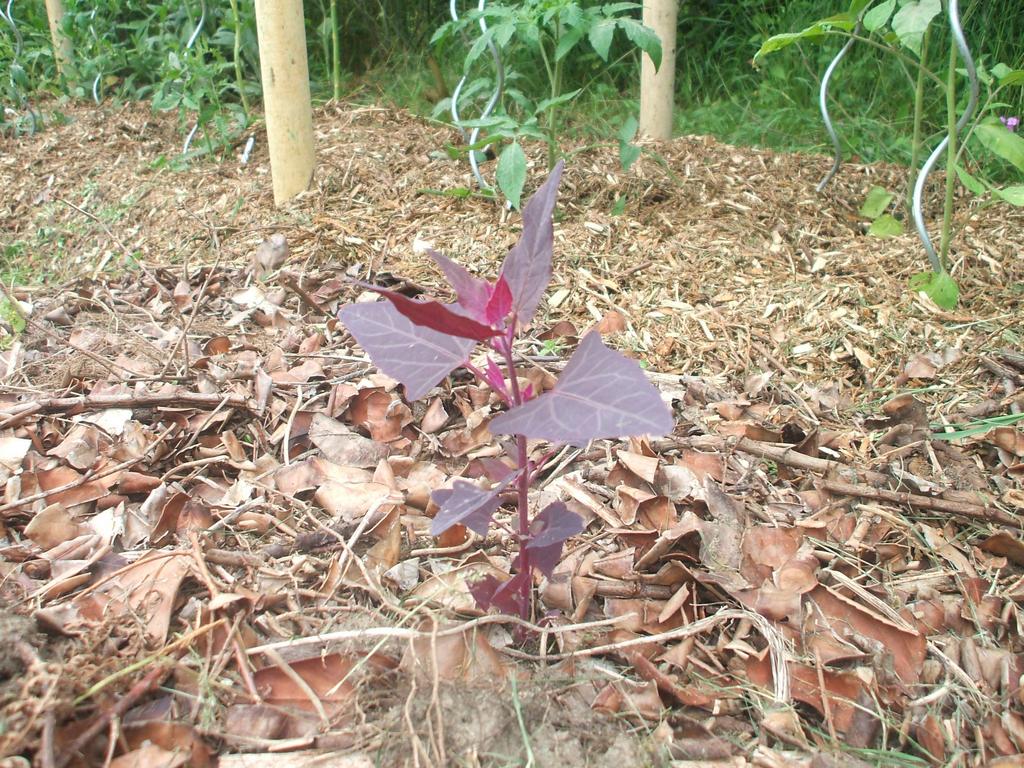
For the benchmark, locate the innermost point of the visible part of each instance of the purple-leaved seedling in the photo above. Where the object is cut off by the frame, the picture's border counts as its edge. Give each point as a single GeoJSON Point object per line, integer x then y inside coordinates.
{"type": "Point", "coordinates": [600, 394]}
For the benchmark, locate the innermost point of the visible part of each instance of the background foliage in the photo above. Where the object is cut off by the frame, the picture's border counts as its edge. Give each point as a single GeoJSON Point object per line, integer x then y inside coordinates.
{"type": "Point", "coordinates": [136, 49]}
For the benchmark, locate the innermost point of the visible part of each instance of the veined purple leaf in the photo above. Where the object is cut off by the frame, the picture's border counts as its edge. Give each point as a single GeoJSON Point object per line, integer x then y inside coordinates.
{"type": "Point", "coordinates": [527, 267]}
{"type": "Point", "coordinates": [549, 531]}
{"type": "Point", "coordinates": [416, 356]}
{"type": "Point", "coordinates": [472, 292]}
{"type": "Point", "coordinates": [506, 596]}
{"type": "Point", "coordinates": [600, 394]}
{"type": "Point", "coordinates": [468, 504]}
{"type": "Point", "coordinates": [436, 316]}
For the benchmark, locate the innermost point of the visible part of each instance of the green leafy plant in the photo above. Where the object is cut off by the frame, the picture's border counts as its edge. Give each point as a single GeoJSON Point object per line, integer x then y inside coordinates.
{"type": "Point", "coordinates": [553, 31]}
{"type": "Point", "coordinates": [903, 30]}
{"type": "Point", "coordinates": [875, 209]}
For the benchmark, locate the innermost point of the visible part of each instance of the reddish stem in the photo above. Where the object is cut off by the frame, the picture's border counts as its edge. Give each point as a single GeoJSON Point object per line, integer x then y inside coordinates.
{"type": "Point", "coordinates": [525, 477]}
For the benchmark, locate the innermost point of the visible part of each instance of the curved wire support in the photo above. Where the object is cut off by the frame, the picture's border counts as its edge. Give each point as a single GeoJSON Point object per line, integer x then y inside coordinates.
{"type": "Point", "coordinates": [191, 41]}
{"type": "Point", "coordinates": [492, 102]}
{"type": "Point", "coordinates": [8, 16]}
{"type": "Point", "coordinates": [199, 26]}
{"type": "Point", "coordinates": [972, 103]}
{"type": "Point", "coordinates": [837, 146]}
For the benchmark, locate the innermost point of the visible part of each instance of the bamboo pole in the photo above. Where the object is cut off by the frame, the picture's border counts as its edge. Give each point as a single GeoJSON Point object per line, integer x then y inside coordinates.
{"type": "Point", "coordinates": [61, 42]}
{"type": "Point", "coordinates": [657, 88]}
{"type": "Point", "coordinates": [284, 71]}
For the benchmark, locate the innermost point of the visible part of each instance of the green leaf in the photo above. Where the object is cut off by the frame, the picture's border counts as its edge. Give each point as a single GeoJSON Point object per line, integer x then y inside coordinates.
{"type": "Point", "coordinates": [13, 318]}
{"type": "Point", "coordinates": [856, 6]}
{"type": "Point", "coordinates": [998, 140]}
{"type": "Point", "coordinates": [876, 18]}
{"type": "Point", "coordinates": [628, 154]}
{"type": "Point", "coordinates": [478, 48]}
{"type": "Point", "coordinates": [1000, 70]}
{"type": "Point", "coordinates": [511, 173]}
{"type": "Point", "coordinates": [628, 129]}
{"type": "Point", "coordinates": [568, 41]}
{"type": "Point", "coordinates": [875, 203]}
{"type": "Point", "coordinates": [614, 9]}
{"type": "Point", "coordinates": [619, 207]}
{"type": "Point", "coordinates": [547, 104]}
{"type": "Point", "coordinates": [970, 182]}
{"type": "Point", "coordinates": [1013, 195]}
{"type": "Point", "coordinates": [885, 226]}
{"type": "Point", "coordinates": [938, 286]}
{"type": "Point", "coordinates": [644, 38]}
{"type": "Point", "coordinates": [600, 36]}
{"type": "Point", "coordinates": [912, 20]}
{"type": "Point", "coordinates": [1012, 77]}
{"type": "Point", "coordinates": [18, 76]}
{"type": "Point", "coordinates": [815, 32]}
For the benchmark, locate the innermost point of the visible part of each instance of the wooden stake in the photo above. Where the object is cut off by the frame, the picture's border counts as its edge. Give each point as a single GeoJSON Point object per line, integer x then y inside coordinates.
{"type": "Point", "coordinates": [284, 70]}
{"type": "Point", "coordinates": [61, 42]}
{"type": "Point", "coordinates": [657, 88]}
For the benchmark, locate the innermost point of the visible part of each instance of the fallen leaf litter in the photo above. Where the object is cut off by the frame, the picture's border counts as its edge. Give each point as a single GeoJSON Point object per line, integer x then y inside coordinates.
{"type": "Point", "coordinates": [219, 512]}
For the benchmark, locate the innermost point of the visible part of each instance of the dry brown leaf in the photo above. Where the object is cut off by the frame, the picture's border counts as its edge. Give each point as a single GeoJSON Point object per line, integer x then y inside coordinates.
{"type": "Point", "coordinates": [146, 589]}
{"type": "Point", "coordinates": [435, 417]}
{"type": "Point", "coordinates": [271, 253]}
{"type": "Point", "coordinates": [451, 588]}
{"type": "Point", "coordinates": [51, 526]}
{"type": "Point", "coordinates": [381, 413]}
{"type": "Point", "coordinates": [844, 618]}
{"type": "Point", "coordinates": [350, 501]}
{"type": "Point", "coordinates": [644, 467]}
{"type": "Point", "coordinates": [150, 756]}
{"type": "Point", "coordinates": [631, 700]}
{"type": "Point", "coordinates": [467, 656]}
{"type": "Point", "coordinates": [842, 689]}
{"type": "Point", "coordinates": [331, 678]}
{"type": "Point", "coordinates": [341, 445]}
{"type": "Point", "coordinates": [177, 738]}
{"type": "Point", "coordinates": [612, 322]}
{"type": "Point", "coordinates": [13, 451]}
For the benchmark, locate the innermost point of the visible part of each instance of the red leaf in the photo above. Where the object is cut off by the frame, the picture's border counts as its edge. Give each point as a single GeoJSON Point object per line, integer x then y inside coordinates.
{"type": "Point", "coordinates": [500, 302]}
{"type": "Point", "coordinates": [436, 316]}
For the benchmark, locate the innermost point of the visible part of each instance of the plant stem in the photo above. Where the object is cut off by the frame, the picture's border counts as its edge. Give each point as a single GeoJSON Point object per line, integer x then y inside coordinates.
{"type": "Point", "coordinates": [915, 150]}
{"type": "Point", "coordinates": [239, 81]}
{"type": "Point", "coordinates": [335, 51]}
{"type": "Point", "coordinates": [523, 483]}
{"type": "Point", "coordinates": [951, 152]}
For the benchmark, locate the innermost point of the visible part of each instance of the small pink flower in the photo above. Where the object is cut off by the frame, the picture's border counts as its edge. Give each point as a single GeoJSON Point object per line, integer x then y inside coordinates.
{"type": "Point", "coordinates": [1011, 123]}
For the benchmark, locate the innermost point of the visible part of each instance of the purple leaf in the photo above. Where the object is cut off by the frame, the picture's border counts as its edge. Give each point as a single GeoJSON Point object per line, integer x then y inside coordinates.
{"type": "Point", "coordinates": [495, 378]}
{"type": "Point", "coordinates": [506, 596]}
{"type": "Point", "coordinates": [416, 356]}
{"type": "Point", "coordinates": [527, 267]}
{"type": "Point", "coordinates": [600, 394]}
{"type": "Point", "coordinates": [436, 316]}
{"type": "Point", "coordinates": [549, 531]}
{"type": "Point", "coordinates": [472, 292]}
{"type": "Point", "coordinates": [467, 504]}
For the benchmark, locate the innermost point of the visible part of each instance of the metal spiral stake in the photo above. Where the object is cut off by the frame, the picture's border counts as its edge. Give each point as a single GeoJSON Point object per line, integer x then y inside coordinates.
{"type": "Point", "coordinates": [837, 146]}
{"type": "Point", "coordinates": [972, 103]}
{"type": "Point", "coordinates": [499, 87]}
{"type": "Point", "coordinates": [8, 16]}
